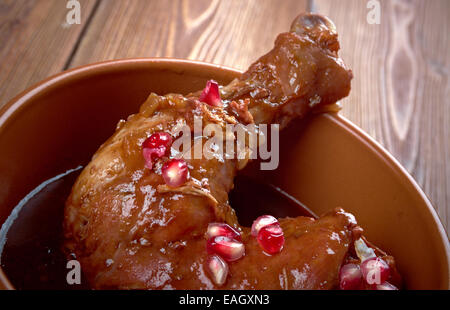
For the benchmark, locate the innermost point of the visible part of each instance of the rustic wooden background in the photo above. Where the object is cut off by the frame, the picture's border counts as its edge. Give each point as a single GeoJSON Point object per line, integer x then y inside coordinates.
{"type": "Point", "coordinates": [400, 92]}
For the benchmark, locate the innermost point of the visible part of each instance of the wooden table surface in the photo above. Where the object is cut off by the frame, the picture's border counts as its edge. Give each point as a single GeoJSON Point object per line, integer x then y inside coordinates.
{"type": "Point", "coordinates": [400, 93]}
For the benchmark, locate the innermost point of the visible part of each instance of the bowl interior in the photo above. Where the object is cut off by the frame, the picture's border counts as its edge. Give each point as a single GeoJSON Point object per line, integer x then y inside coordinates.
{"type": "Point", "coordinates": [325, 161]}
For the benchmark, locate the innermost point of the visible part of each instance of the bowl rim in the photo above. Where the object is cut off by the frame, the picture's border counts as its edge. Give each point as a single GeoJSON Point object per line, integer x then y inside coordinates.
{"type": "Point", "coordinates": [18, 102]}
{"type": "Point", "coordinates": [11, 109]}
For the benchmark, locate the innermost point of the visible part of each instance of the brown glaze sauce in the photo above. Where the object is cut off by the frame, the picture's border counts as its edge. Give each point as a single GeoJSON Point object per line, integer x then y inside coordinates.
{"type": "Point", "coordinates": [32, 256]}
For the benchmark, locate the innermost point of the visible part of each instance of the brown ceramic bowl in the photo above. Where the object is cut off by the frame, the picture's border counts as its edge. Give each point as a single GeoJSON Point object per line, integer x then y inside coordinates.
{"type": "Point", "coordinates": [58, 125]}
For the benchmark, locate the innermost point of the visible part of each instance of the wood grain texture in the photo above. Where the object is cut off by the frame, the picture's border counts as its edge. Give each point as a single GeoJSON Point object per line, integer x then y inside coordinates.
{"type": "Point", "coordinates": [35, 42]}
{"type": "Point", "coordinates": [232, 32]}
{"type": "Point", "coordinates": [400, 94]}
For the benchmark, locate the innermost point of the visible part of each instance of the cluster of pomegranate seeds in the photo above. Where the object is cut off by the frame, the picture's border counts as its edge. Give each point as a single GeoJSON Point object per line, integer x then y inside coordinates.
{"type": "Point", "coordinates": [210, 95]}
{"type": "Point", "coordinates": [373, 272]}
{"type": "Point", "coordinates": [269, 234]}
{"type": "Point", "coordinates": [350, 277]}
{"type": "Point", "coordinates": [222, 229]}
{"type": "Point", "coordinates": [224, 245]}
{"type": "Point", "coordinates": [175, 172]}
{"type": "Point", "coordinates": [156, 146]}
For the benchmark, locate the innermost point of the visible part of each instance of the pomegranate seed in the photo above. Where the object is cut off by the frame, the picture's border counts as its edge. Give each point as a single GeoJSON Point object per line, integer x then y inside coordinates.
{"type": "Point", "coordinates": [210, 95]}
{"type": "Point", "coordinates": [350, 277]}
{"type": "Point", "coordinates": [175, 172]}
{"type": "Point", "coordinates": [158, 139]}
{"type": "Point", "coordinates": [262, 221]}
{"type": "Point", "coordinates": [386, 286]}
{"type": "Point", "coordinates": [229, 249]}
{"type": "Point", "coordinates": [156, 146]}
{"type": "Point", "coordinates": [222, 229]}
{"type": "Point", "coordinates": [375, 270]}
{"type": "Point", "coordinates": [271, 238]}
{"type": "Point", "coordinates": [217, 268]}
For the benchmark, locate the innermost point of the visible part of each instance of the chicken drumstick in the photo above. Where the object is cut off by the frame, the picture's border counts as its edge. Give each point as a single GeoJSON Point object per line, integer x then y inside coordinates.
{"type": "Point", "coordinates": [131, 231]}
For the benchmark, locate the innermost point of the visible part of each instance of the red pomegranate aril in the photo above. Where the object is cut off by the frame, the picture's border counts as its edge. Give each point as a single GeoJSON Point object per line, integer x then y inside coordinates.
{"type": "Point", "coordinates": [210, 95]}
{"type": "Point", "coordinates": [175, 172]}
{"type": "Point", "coordinates": [227, 248]}
{"type": "Point", "coordinates": [156, 146]}
{"type": "Point", "coordinates": [350, 277]}
{"type": "Point", "coordinates": [261, 222]}
{"type": "Point", "coordinates": [217, 269]}
{"type": "Point", "coordinates": [271, 238]}
{"type": "Point", "coordinates": [222, 229]}
{"type": "Point", "coordinates": [386, 286]}
{"type": "Point", "coordinates": [158, 139]}
{"type": "Point", "coordinates": [375, 270]}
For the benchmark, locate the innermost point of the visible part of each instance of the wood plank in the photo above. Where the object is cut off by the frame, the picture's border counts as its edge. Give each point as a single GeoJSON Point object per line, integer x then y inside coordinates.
{"type": "Point", "coordinates": [232, 33]}
{"type": "Point", "coordinates": [35, 41]}
{"type": "Point", "coordinates": [401, 89]}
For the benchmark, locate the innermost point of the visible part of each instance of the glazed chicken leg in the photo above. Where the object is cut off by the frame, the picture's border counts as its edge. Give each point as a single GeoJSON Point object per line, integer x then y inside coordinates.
{"type": "Point", "coordinates": [131, 231]}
